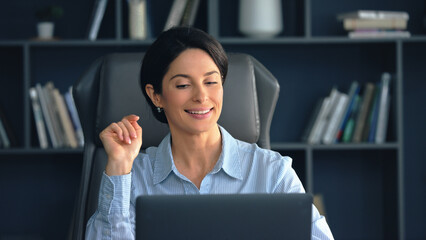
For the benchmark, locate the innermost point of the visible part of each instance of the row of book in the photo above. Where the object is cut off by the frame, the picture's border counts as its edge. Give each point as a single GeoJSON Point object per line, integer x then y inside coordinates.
{"type": "Point", "coordinates": [56, 118]}
{"type": "Point", "coordinates": [182, 13]}
{"type": "Point", "coordinates": [375, 24]}
{"type": "Point", "coordinates": [360, 115]}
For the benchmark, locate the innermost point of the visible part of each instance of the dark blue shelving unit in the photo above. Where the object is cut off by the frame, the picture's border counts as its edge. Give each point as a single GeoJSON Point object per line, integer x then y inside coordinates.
{"type": "Point", "coordinates": [370, 191]}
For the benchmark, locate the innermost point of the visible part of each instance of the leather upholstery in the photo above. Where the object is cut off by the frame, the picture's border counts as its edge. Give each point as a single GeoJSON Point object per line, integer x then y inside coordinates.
{"type": "Point", "coordinates": [110, 89]}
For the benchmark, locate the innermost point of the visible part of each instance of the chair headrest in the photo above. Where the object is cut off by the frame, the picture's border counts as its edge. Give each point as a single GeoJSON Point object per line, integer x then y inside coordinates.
{"type": "Point", "coordinates": [120, 95]}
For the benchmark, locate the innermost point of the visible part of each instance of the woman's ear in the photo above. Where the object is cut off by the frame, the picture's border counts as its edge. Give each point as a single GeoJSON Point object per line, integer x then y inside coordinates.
{"type": "Point", "coordinates": [155, 97]}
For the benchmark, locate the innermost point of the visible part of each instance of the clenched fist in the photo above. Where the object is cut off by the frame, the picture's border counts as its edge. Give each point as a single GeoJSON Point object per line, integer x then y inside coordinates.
{"type": "Point", "coordinates": [122, 142]}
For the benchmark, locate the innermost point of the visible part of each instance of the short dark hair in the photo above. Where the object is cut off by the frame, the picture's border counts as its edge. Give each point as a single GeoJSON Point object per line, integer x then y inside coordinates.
{"type": "Point", "coordinates": [166, 48]}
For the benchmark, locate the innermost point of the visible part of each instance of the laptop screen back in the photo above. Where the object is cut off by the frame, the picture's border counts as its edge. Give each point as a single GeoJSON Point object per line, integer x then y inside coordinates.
{"type": "Point", "coordinates": [239, 216]}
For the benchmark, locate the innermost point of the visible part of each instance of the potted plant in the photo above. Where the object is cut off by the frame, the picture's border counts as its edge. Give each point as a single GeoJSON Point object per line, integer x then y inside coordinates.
{"type": "Point", "coordinates": [46, 17]}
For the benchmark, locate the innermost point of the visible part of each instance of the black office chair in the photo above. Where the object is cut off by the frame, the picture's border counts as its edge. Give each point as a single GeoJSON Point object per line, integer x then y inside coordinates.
{"type": "Point", "coordinates": [110, 89]}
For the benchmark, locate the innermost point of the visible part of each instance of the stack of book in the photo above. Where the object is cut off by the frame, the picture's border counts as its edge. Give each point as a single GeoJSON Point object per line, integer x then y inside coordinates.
{"type": "Point", "coordinates": [375, 24]}
{"type": "Point", "coordinates": [360, 115]}
{"type": "Point", "coordinates": [56, 117]}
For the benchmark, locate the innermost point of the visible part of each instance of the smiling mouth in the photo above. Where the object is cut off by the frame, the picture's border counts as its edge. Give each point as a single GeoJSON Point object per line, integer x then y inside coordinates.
{"type": "Point", "coordinates": [199, 112]}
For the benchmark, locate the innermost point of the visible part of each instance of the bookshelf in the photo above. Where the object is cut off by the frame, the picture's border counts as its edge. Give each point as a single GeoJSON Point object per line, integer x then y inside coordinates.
{"type": "Point", "coordinates": [370, 191]}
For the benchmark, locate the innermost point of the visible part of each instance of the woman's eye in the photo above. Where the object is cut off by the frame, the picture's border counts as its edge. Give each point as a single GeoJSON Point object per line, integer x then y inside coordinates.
{"type": "Point", "coordinates": [182, 86]}
{"type": "Point", "coordinates": [211, 82]}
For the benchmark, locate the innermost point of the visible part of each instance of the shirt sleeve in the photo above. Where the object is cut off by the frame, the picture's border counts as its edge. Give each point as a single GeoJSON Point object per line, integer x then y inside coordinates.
{"type": "Point", "coordinates": [289, 182]}
{"type": "Point", "coordinates": [114, 218]}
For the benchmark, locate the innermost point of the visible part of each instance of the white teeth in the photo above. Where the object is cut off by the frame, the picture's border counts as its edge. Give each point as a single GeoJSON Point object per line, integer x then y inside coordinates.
{"type": "Point", "coordinates": [199, 112]}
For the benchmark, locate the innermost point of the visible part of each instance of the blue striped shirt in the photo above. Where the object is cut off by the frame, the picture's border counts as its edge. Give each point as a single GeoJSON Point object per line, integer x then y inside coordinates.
{"type": "Point", "coordinates": [241, 168]}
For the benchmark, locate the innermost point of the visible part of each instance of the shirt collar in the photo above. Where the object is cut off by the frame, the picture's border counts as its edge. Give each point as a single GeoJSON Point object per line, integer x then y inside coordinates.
{"type": "Point", "coordinates": [229, 159]}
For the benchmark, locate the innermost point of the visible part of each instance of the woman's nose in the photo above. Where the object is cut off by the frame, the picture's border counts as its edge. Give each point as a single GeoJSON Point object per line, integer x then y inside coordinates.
{"type": "Point", "coordinates": [200, 94]}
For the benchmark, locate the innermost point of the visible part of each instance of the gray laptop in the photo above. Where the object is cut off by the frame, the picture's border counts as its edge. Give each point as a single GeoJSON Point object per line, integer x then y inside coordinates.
{"type": "Point", "coordinates": [239, 216]}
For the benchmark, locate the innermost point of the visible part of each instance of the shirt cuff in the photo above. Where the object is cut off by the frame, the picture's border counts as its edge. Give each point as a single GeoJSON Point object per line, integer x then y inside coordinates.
{"type": "Point", "coordinates": [114, 194]}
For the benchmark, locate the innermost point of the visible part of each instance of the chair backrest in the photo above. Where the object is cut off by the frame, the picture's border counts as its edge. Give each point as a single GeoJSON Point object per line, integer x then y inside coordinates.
{"type": "Point", "coordinates": [110, 89]}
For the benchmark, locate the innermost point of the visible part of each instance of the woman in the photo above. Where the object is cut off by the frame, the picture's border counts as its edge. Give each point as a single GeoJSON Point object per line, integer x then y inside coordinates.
{"type": "Point", "coordinates": [182, 78]}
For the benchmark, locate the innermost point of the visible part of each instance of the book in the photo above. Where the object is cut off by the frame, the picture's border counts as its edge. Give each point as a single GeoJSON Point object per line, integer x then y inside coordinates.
{"type": "Point", "coordinates": [335, 118]}
{"type": "Point", "coordinates": [74, 117]}
{"type": "Point", "coordinates": [369, 124]}
{"type": "Point", "coordinates": [350, 125]}
{"type": "Point", "coordinates": [363, 112]}
{"type": "Point", "coordinates": [175, 14]}
{"type": "Point", "coordinates": [46, 115]}
{"type": "Point", "coordinates": [392, 23]}
{"type": "Point", "coordinates": [370, 136]}
{"type": "Point", "coordinates": [190, 13]}
{"type": "Point", "coordinates": [314, 135]}
{"type": "Point", "coordinates": [54, 111]}
{"type": "Point", "coordinates": [313, 117]}
{"type": "Point", "coordinates": [373, 14]}
{"type": "Point", "coordinates": [96, 18]}
{"type": "Point", "coordinates": [38, 118]}
{"type": "Point", "coordinates": [71, 139]}
{"type": "Point", "coordinates": [382, 126]}
{"type": "Point", "coordinates": [334, 99]}
{"type": "Point", "coordinates": [353, 91]}
{"type": "Point", "coordinates": [383, 114]}
{"type": "Point", "coordinates": [321, 123]}
{"type": "Point", "coordinates": [379, 34]}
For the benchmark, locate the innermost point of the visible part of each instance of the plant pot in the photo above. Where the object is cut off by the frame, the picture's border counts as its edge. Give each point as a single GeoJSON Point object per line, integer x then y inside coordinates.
{"type": "Point", "coordinates": [45, 30]}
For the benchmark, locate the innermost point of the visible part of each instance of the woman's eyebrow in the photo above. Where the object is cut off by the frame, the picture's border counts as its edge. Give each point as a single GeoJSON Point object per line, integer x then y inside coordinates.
{"type": "Point", "coordinates": [187, 76]}
{"type": "Point", "coordinates": [179, 75]}
{"type": "Point", "coordinates": [210, 73]}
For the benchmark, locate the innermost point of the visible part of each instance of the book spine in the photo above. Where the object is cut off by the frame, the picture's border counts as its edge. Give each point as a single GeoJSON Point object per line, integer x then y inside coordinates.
{"type": "Point", "coordinates": [381, 130]}
{"type": "Point", "coordinates": [3, 135]}
{"type": "Point", "coordinates": [350, 125]}
{"type": "Point", "coordinates": [176, 13]}
{"type": "Point", "coordinates": [369, 14]}
{"type": "Point", "coordinates": [190, 13]}
{"type": "Point", "coordinates": [353, 91]}
{"type": "Point", "coordinates": [363, 113]}
{"type": "Point", "coordinates": [74, 117]}
{"type": "Point", "coordinates": [193, 13]}
{"type": "Point", "coordinates": [312, 119]}
{"type": "Point", "coordinates": [370, 136]}
{"type": "Point", "coordinates": [65, 120]}
{"type": "Point", "coordinates": [313, 139]}
{"type": "Point", "coordinates": [335, 118]}
{"type": "Point", "coordinates": [98, 14]}
{"type": "Point", "coordinates": [46, 115]}
{"type": "Point", "coordinates": [383, 109]}
{"type": "Point", "coordinates": [353, 24]}
{"type": "Point", "coordinates": [379, 34]}
{"type": "Point", "coordinates": [38, 118]}
{"type": "Point", "coordinates": [325, 121]}
{"type": "Point", "coordinates": [56, 121]}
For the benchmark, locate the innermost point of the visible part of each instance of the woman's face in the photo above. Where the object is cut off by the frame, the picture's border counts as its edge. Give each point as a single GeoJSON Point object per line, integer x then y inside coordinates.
{"type": "Point", "coordinates": [192, 92]}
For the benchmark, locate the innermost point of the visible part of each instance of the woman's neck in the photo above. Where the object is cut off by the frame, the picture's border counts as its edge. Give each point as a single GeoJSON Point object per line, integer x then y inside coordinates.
{"type": "Point", "coordinates": [195, 155]}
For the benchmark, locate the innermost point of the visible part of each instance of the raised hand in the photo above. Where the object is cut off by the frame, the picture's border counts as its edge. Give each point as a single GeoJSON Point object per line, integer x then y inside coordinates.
{"type": "Point", "coordinates": [122, 142]}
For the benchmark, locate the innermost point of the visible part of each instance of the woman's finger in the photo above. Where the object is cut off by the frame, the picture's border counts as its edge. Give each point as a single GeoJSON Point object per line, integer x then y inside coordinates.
{"type": "Point", "coordinates": [132, 117]}
{"type": "Point", "coordinates": [126, 137]}
{"type": "Point", "coordinates": [130, 128]}
{"type": "Point", "coordinates": [115, 128]}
